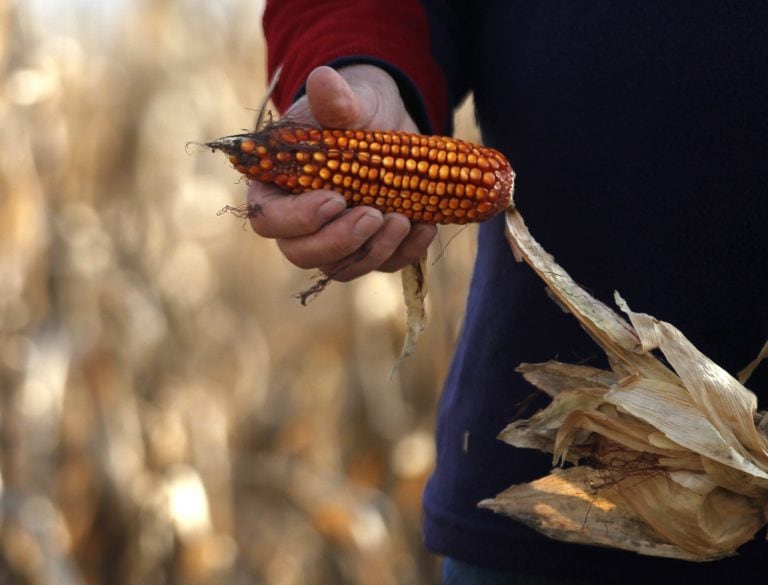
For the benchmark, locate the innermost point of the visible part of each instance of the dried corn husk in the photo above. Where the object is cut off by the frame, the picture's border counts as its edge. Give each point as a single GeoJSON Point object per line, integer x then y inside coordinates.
{"type": "Point", "coordinates": [414, 293]}
{"type": "Point", "coordinates": [665, 461]}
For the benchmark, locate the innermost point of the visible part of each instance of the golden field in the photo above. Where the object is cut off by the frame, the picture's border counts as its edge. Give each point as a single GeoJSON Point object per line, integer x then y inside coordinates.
{"type": "Point", "coordinates": [170, 413]}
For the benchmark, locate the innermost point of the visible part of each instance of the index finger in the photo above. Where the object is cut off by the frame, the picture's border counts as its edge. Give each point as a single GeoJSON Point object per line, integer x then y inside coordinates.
{"type": "Point", "coordinates": [276, 214]}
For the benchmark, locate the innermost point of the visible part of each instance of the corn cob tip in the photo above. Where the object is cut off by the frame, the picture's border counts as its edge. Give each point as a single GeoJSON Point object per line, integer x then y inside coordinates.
{"type": "Point", "coordinates": [227, 144]}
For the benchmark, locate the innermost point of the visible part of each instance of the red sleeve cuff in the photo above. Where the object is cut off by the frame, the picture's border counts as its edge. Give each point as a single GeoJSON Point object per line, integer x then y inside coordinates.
{"type": "Point", "coordinates": [304, 34]}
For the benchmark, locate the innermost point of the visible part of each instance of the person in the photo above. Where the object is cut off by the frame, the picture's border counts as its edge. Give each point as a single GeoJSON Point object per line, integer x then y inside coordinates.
{"type": "Point", "coordinates": [638, 132]}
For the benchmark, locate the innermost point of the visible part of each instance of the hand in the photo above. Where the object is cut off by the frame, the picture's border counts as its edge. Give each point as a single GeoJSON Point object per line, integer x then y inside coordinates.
{"type": "Point", "coordinates": [315, 229]}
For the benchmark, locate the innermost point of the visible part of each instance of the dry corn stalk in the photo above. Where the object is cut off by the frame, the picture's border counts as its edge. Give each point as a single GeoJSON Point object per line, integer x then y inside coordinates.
{"type": "Point", "coordinates": [669, 462]}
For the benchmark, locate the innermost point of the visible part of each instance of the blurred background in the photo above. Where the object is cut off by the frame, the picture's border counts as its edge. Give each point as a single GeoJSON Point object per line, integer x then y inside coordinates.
{"type": "Point", "coordinates": [169, 412]}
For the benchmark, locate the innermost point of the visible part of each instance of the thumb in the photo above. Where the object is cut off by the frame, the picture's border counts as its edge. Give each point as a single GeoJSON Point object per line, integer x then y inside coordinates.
{"type": "Point", "coordinates": [332, 101]}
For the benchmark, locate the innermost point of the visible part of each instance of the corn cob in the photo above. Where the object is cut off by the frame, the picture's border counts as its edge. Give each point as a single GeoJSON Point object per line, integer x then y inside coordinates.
{"type": "Point", "coordinates": [429, 179]}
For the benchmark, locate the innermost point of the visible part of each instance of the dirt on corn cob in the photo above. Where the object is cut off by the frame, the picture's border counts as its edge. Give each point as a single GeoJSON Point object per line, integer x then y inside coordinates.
{"type": "Point", "coordinates": [429, 179]}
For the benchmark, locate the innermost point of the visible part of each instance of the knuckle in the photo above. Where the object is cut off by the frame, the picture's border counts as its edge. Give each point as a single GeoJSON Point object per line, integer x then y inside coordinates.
{"type": "Point", "coordinates": [303, 222]}
{"type": "Point", "coordinates": [294, 256]}
{"type": "Point", "coordinates": [376, 257]}
{"type": "Point", "coordinates": [341, 247]}
{"type": "Point", "coordinates": [260, 226]}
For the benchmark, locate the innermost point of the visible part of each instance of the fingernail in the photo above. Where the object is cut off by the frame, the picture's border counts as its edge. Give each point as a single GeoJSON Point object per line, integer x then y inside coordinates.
{"type": "Point", "coordinates": [331, 208]}
{"type": "Point", "coordinates": [368, 225]}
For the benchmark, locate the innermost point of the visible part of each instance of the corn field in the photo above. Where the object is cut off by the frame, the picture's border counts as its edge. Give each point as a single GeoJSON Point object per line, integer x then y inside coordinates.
{"type": "Point", "coordinates": [169, 412]}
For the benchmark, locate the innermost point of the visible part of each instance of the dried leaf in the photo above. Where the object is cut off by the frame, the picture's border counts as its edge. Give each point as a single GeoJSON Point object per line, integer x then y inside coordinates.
{"type": "Point", "coordinates": [730, 407]}
{"type": "Point", "coordinates": [614, 335]}
{"type": "Point", "coordinates": [414, 293]}
{"type": "Point", "coordinates": [540, 431]}
{"type": "Point", "coordinates": [668, 408]}
{"type": "Point", "coordinates": [599, 319]}
{"type": "Point", "coordinates": [697, 515]}
{"type": "Point", "coordinates": [566, 506]}
{"type": "Point", "coordinates": [669, 462]}
{"type": "Point", "coordinates": [750, 367]}
{"type": "Point", "coordinates": [554, 377]}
